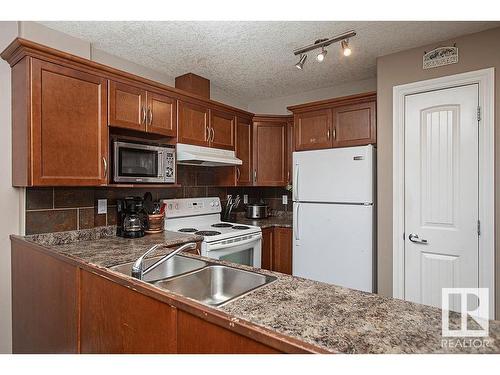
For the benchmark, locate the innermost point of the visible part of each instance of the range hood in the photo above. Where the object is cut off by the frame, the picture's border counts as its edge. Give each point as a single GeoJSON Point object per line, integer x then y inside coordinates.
{"type": "Point", "coordinates": [205, 156]}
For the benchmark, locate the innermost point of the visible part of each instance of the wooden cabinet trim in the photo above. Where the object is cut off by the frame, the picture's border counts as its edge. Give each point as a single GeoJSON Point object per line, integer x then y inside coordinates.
{"type": "Point", "coordinates": [334, 102]}
{"type": "Point", "coordinates": [19, 48]}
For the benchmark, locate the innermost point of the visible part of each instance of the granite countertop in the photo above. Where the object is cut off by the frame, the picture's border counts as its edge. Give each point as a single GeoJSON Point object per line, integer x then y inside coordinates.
{"type": "Point", "coordinates": [331, 317]}
{"type": "Point", "coordinates": [282, 219]}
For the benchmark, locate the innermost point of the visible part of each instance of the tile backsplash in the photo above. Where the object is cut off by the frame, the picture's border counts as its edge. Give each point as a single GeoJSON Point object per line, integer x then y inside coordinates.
{"type": "Point", "coordinates": [55, 209]}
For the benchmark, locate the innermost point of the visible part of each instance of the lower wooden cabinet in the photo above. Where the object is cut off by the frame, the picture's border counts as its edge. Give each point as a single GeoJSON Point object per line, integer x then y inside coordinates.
{"type": "Point", "coordinates": [277, 249]}
{"type": "Point", "coordinates": [44, 303]}
{"type": "Point", "coordinates": [115, 319]}
{"type": "Point", "coordinates": [197, 336]}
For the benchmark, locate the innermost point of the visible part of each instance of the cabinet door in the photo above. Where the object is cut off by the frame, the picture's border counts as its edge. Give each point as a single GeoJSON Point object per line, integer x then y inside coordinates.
{"type": "Point", "coordinates": [282, 250]}
{"type": "Point", "coordinates": [115, 319]}
{"type": "Point", "coordinates": [193, 124]}
{"type": "Point", "coordinates": [199, 336]}
{"type": "Point", "coordinates": [244, 151]}
{"type": "Point", "coordinates": [162, 114]}
{"type": "Point", "coordinates": [269, 166]}
{"type": "Point", "coordinates": [267, 249]}
{"type": "Point", "coordinates": [289, 151]}
{"type": "Point", "coordinates": [127, 106]}
{"type": "Point", "coordinates": [354, 125]}
{"type": "Point", "coordinates": [222, 127]}
{"type": "Point", "coordinates": [69, 134]}
{"type": "Point", "coordinates": [313, 130]}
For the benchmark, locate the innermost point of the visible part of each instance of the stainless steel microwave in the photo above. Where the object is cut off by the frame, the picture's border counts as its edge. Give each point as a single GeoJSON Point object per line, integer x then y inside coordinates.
{"type": "Point", "coordinates": [143, 163]}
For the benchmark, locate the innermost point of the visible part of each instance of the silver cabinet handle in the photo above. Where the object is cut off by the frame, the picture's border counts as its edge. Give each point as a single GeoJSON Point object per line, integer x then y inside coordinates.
{"type": "Point", "coordinates": [150, 115]}
{"type": "Point", "coordinates": [143, 110]}
{"type": "Point", "coordinates": [334, 133]}
{"type": "Point", "coordinates": [288, 176]}
{"type": "Point", "coordinates": [414, 238]}
{"type": "Point", "coordinates": [105, 167]}
{"type": "Point", "coordinates": [207, 134]}
{"type": "Point", "coordinates": [238, 174]}
{"type": "Point", "coordinates": [328, 134]}
{"type": "Point", "coordinates": [255, 175]}
{"type": "Point", "coordinates": [213, 134]}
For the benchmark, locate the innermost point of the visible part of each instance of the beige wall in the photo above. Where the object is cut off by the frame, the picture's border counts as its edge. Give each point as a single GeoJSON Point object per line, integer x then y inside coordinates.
{"type": "Point", "coordinates": [9, 196]}
{"type": "Point", "coordinates": [476, 51]}
{"type": "Point", "coordinates": [277, 106]}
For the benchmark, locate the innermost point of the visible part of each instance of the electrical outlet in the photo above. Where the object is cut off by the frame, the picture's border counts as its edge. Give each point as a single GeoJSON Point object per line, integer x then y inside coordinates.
{"type": "Point", "coordinates": [102, 206]}
{"type": "Point", "coordinates": [245, 198]}
{"type": "Point", "coordinates": [284, 199]}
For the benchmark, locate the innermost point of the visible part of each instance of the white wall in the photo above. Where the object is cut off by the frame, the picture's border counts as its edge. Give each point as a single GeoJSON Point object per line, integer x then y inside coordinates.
{"type": "Point", "coordinates": [277, 106]}
{"type": "Point", "coordinates": [9, 196]}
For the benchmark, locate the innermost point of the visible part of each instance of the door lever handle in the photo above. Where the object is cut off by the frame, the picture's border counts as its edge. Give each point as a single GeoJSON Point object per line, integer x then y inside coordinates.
{"type": "Point", "coordinates": [414, 238]}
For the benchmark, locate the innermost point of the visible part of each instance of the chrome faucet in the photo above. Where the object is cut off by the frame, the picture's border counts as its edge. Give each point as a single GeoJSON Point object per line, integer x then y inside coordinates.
{"type": "Point", "coordinates": [138, 270]}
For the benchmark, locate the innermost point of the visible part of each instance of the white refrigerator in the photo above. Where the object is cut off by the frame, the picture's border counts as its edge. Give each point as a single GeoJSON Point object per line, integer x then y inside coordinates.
{"type": "Point", "coordinates": [333, 213]}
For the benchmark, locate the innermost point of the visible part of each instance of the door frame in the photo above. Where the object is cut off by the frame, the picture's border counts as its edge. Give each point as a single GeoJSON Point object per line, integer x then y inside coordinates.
{"type": "Point", "coordinates": [485, 79]}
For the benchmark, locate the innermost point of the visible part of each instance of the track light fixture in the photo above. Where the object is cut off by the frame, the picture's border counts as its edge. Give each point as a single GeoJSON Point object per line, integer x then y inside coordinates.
{"type": "Point", "coordinates": [323, 43]}
{"type": "Point", "coordinates": [300, 64]}
{"type": "Point", "coordinates": [321, 55]}
{"type": "Point", "coordinates": [345, 47]}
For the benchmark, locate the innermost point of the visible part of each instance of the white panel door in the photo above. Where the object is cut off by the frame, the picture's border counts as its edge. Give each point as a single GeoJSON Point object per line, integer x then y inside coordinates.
{"type": "Point", "coordinates": [333, 243]}
{"type": "Point", "coordinates": [441, 193]}
{"type": "Point", "coordinates": [342, 175]}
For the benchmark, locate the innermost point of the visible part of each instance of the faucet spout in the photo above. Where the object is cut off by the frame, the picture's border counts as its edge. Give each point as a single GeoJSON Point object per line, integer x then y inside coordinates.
{"type": "Point", "coordinates": [138, 270]}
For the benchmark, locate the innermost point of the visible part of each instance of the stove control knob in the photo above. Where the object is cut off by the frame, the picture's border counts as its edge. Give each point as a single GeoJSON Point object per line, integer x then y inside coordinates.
{"type": "Point", "coordinates": [212, 204]}
{"type": "Point", "coordinates": [216, 204]}
{"type": "Point", "coordinates": [169, 172]}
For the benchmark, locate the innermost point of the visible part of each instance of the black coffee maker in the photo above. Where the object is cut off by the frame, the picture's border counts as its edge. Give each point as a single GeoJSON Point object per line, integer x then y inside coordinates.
{"type": "Point", "coordinates": [131, 217]}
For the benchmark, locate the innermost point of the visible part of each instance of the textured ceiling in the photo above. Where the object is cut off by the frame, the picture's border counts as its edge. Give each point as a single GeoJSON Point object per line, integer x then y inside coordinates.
{"type": "Point", "coordinates": [254, 60]}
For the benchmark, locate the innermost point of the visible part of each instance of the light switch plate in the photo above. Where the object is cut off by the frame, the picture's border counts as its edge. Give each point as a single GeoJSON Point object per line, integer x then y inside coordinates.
{"type": "Point", "coordinates": [284, 199]}
{"type": "Point", "coordinates": [245, 198]}
{"type": "Point", "coordinates": [102, 206]}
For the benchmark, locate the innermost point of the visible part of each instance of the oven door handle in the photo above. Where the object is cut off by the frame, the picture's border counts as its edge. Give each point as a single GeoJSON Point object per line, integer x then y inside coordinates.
{"type": "Point", "coordinates": [214, 247]}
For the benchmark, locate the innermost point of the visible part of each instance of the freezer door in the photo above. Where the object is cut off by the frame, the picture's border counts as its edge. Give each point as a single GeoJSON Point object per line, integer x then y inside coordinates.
{"type": "Point", "coordinates": [342, 175]}
{"type": "Point", "coordinates": [333, 243]}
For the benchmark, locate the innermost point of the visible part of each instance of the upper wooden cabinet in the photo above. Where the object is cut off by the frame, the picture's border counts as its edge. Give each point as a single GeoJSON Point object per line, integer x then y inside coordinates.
{"type": "Point", "coordinates": [269, 151]}
{"type": "Point", "coordinates": [354, 125]}
{"type": "Point", "coordinates": [222, 129]}
{"type": "Point", "coordinates": [60, 134]}
{"type": "Point", "coordinates": [244, 151]}
{"type": "Point", "coordinates": [162, 115]}
{"type": "Point", "coordinates": [313, 130]}
{"type": "Point", "coordinates": [127, 106]}
{"type": "Point", "coordinates": [339, 122]}
{"type": "Point", "coordinates": [193, 123]}
{"type": "Point", "coordinates": [135, 108]}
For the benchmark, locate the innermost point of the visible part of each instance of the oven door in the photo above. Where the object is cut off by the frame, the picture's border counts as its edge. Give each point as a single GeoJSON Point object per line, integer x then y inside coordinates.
{"type": "Point", "coordinates": [137, 163]}
{"type": "Point", "coordinates": [246, 251]}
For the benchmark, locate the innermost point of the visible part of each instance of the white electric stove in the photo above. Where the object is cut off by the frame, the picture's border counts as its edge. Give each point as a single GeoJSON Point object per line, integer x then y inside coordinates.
{"type": "Point", "coordinates": [232, 242]}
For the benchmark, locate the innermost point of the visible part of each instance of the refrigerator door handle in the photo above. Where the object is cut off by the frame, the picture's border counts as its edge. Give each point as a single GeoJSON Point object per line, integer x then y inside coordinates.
{"type": "Point", "coordinates": [296, 224]}
{"type": "Point", "coordinates": [296, 184]}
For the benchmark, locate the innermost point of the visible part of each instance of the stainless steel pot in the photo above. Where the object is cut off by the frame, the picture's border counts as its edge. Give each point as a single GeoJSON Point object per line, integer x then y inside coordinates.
{"type": "Point", "coordinates": [257, 211]}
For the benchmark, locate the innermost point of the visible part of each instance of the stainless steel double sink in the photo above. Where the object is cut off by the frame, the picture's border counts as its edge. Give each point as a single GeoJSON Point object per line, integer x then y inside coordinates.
{"type": "Point", "coordinates": [209, 283]}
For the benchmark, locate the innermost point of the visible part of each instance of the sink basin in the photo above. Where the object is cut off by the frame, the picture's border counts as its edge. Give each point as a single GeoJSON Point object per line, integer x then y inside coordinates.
{"type": "Point", "coordinates": [175, 266]}
{"type": "Point", "coordinates": [216, 284]}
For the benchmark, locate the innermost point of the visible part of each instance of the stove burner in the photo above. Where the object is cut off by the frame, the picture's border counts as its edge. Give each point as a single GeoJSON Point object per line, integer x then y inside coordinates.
{"type": "Point", "coordinates": [242, 227]}
{"type": "Point", "coordinates": [222, 225]}
{"type": "Point", "coordinates": [207, 233]}
{"type": "Point", "coordinates": [188, 230]}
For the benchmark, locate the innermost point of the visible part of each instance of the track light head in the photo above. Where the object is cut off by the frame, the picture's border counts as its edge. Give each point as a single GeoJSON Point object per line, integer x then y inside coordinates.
{"type": "Point", "coordinates": [321, 55]}
{"type": "Point", "coordinates": [300, 64]}
{"type": "Point", "coordinates": [345, 47]}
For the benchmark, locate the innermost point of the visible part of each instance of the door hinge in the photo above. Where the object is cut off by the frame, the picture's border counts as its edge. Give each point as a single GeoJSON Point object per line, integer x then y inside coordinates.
{"type": "Point", "coordinates": [478, 113]}
{"type": "Point", "coordinates": [478, 227]}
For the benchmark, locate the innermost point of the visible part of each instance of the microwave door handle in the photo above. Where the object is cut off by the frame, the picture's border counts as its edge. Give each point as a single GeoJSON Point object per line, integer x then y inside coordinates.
{"type": "Point", "coordinates": [234, 244]}
{"type": "Point", "coordinates": [160, 164]}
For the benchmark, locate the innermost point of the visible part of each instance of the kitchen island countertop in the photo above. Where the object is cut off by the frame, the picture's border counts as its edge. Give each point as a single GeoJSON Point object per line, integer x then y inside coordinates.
{"type": "Point", "coordinates": [330, 317]}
